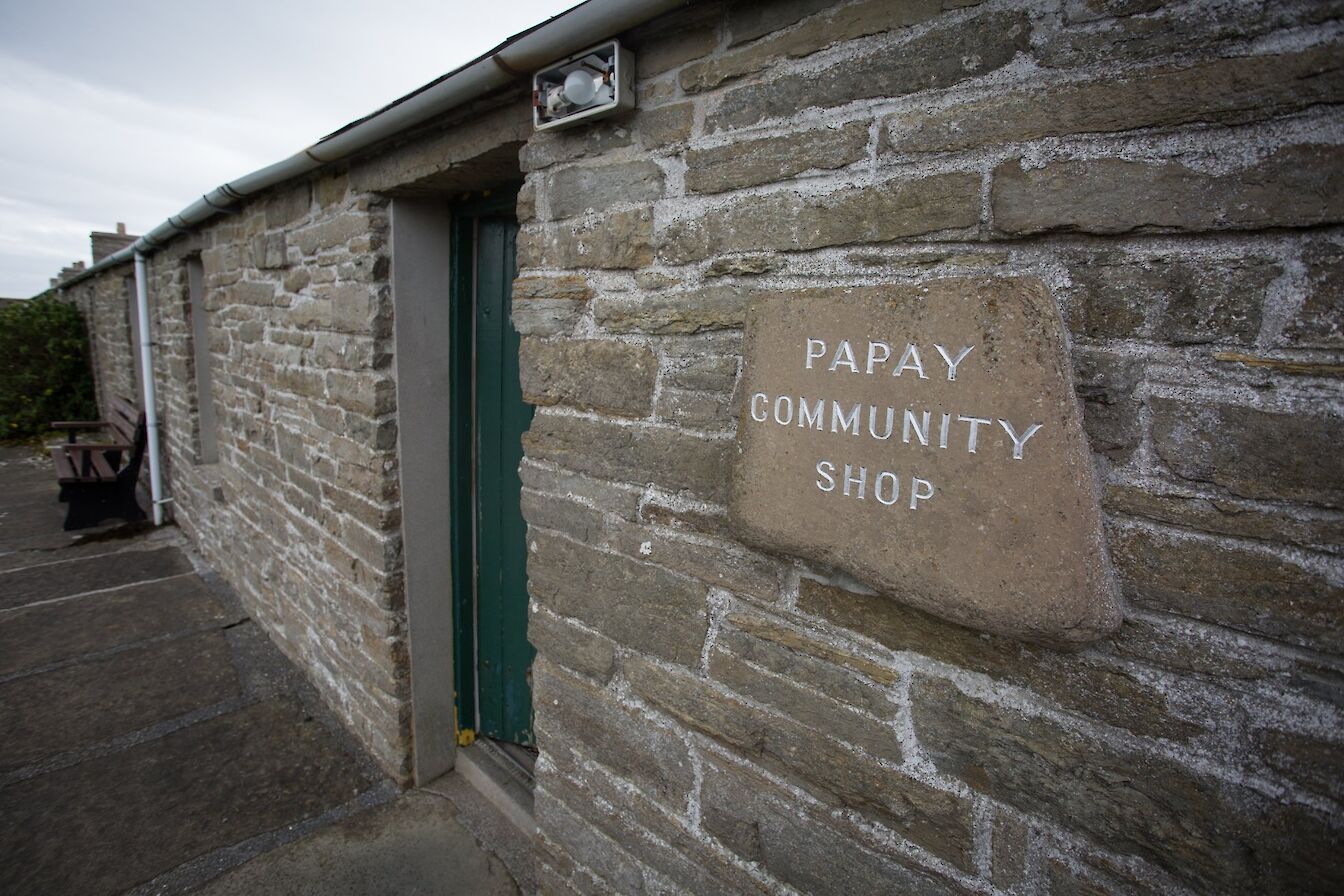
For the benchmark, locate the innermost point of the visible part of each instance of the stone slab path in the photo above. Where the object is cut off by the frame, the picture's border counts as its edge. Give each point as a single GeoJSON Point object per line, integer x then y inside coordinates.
{"type": "Point", "coordinates": [153, 740]}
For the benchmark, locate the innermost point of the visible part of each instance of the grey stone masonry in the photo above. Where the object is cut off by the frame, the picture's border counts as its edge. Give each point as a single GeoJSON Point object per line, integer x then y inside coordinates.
{"type": "Point", "coordinates": [716, 717]}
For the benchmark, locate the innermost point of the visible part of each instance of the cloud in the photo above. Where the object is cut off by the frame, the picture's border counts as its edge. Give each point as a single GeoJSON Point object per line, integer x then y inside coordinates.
{"type": "Point", "coordinates": [129, 112]}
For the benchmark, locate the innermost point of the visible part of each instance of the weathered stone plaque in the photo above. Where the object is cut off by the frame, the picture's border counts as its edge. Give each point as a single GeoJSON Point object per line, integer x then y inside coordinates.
{"type": "Point", "coordinates": [926, 440]}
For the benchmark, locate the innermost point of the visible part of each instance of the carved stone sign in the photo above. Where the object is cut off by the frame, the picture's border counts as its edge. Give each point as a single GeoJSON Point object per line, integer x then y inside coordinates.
{"type": "Point", "coordinates": [926, 440]}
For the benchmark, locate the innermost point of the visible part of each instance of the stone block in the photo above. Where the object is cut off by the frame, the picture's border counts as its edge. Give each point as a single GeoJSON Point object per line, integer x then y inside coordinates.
{"type": "Point", "coordinates": [1319, 322]}
{"type": "Point", "coordinates": [707, 363]}
{"type": "Point", "coordinates": [593, 374]}
{"type": "Point", "coordinates": [570, 711]}
{"type": "Point", "coordinates": [288, 205]}
{"type": "Point", "coordinates": [588, 188]}
{"type": "Point", "coordinates": [781, 648]}
{"type": "Point", "coordinates": [249, 292]}
{"type": "Point", "coordinates": [746, 163]}
{"type": "Point", "coordinates": [586, 845]}
{"type": "Point", "coordinates": [566, 644]}
{"type": "Point", "coordinates": [718, 563]}
{"type": "Point", "coordinates": [1297, 186]}
{"type": "Point", "coordinates": [646, 830]}
{"type": "Point", "coordinates": [1226, 91]}
{"type": "Point", "coordinates": [665, 126]}
{"type": "Point", "coordinates": [1074, 680]}
{"type": "Point", "coordinates": [1247, 588]}
{"type": "Point", "coordinates": [813, 708]}
{"type": "Point", "coordinates": [330, 232]}
{"type": "Point", "coordinates": [743, 265]}
{"type": "Point", "coordinates": [546, 148]}
{"type": "Point", "coordinates": [1314, 762]}
{"type": "Point", "coordinates": [1210, 834]}
{"type": "Point", "coordinates": [1272, 455]}
{"type": "Point", "coordinates": [549, 306]}
{"type": "Point", "coordinates": [1181, 299]}
{"type": "Point", "coordinates": [799, 845]}
{"type": "Point", "coordinates": [612, 497]}
{"type": "Point", "coordinates": [1322, 530]}
{"type": "Point", "coordinates": [1123, 33]}
{"type": "Point", "coordinates": [269, 251]}
{"type": "Point", "coordinates": [934, 819]}
{"type": "Point", "coordinates": [673, 313]}
{"type": "Point", "coordinates": [622, 239]}
{"type": "Point", "coordinates": [1106, 383]}
{"type": "Point", "coordinates": [697, 410]}
{"type": "Point", "coordinates": [669, 458]}
{"type": "Point", "coordinates": [579, 522]}
{"type": "Point", "coordinates": [890, 210]}
{"type": "Point", "coordinates": [942, 56]}
{"type": "Point", "coordinates": [635, 604]}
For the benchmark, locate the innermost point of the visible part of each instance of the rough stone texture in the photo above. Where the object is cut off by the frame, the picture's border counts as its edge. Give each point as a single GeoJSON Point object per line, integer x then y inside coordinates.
{"type": "Point", "coordinates": [765, 825]}
{"type": "Point", "coordinates": [1169, 170]}
{"type": "Point", "coordinates": [1006, 536]}
{"type": "Point", "coordinates": [1226, 91]}
{"type": "Point", "coordinates": [607, 377]}
{"type": "Point", "coordinates": [1189, 824]}
{"type": "Point", "coordinates": [1296, 186]}
{"type": "Point", "coordinates": [1319, 323]}
{"type": "Point", "coordinates": [942, 56]}
{"type": "Point", "coordinates": [1242, 587]}
{"type": "Point", "coordinates": [1241, 449]}
{"type": "Point", "coordinates": [1178, 299]}
{"type": "Point", "coordinates": [751, 162]}
{"type": "Point", "coordinates": [896, 208]}
{"type": "Point", "coordinates": [620, 239]}
{"type": "Point", "coordinates": [633, 603]}
{"type": "Point", "coordinates": [573, 191]}
{"type": "Point", "coordinates": [1072, 680]}
{"type": "Point", "coordinates": [668, 457]}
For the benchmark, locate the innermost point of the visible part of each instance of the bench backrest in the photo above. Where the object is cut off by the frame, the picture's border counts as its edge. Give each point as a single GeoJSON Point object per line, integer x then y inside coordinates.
{"type": "Point", "coordinates": [127, 422]}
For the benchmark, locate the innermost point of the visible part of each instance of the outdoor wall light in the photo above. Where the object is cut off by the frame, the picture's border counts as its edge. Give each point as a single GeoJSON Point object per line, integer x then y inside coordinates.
{"type": "Point", "coordinates": [592, 84]}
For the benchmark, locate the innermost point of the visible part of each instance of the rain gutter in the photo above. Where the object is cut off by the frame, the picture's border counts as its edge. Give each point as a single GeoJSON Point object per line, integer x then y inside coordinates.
{"type": "Point", "coordinates": [515, 58]}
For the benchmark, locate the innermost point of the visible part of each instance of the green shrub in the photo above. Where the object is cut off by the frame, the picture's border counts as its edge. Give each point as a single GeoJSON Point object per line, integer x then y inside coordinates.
{"type": "Point", "coordinates": [44, 368]}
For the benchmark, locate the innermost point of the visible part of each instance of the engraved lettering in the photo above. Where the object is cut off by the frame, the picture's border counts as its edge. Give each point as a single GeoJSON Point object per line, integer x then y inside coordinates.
{"type": "Point", "coordinates": [811, 417]}
{"type": "Point", "coordinates": [820, 347]}
{"type": "Point", "coordinates": [953, 362]}
{"type": "Point", "coordinates": [826, 471]}
{"type": "Point", "coordinates": [910, 361]}
{"type": "Point", "coordinates": [918, 493]}
{"type": "Point", "coordinates": [976, 423]}
{"type": "Point", "coordinates": [872, 422]}
{"type": "Point", "coordinates": [887, 475]}
{"type": "Point", "coordinates": [861, 481]}
{"type": "Point", "coordinates": [764, 401]}
{"type": "Point", "coordinates": [1019, 442]}
{"type": "Point", "coordinates": [842, 422]}
{"type": "Point", "coordinates": [784, 419]}
{"type": "Point", "coordinates": [921, 433]}
{"type": "Point", "coordinates": [844, 355]}
{"type": "Point", "coordinates": [873, 359]}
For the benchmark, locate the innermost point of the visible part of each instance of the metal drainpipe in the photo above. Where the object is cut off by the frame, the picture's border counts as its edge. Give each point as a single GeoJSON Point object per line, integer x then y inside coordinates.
{"type": "Point", "coordinates": [147, 378]}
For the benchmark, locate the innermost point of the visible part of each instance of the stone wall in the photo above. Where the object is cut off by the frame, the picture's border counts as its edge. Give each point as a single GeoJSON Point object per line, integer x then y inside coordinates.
{"type": "Point", "coordinates": [714, 719]}
{"type": "Point", "coordinates": [107, 304]}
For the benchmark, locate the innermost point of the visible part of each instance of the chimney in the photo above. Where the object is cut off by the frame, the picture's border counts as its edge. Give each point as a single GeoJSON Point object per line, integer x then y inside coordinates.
{"type": "Point", "coordinates": [104, 244]}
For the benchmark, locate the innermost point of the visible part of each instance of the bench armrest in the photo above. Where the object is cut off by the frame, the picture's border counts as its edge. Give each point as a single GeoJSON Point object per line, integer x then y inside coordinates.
{"type": "Point", "coordinates": [78, 424]}
{"type": "Point", "coordinates": [97, 446]}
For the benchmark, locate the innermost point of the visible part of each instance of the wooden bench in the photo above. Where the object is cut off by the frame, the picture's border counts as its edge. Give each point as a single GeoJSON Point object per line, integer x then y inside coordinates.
{"type": "Point", "coordinates": [95, 482]}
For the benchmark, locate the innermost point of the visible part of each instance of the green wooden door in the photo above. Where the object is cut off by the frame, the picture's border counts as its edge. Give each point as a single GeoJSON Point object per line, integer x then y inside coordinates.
{"type": "Point", "coordinates": [488, 457]}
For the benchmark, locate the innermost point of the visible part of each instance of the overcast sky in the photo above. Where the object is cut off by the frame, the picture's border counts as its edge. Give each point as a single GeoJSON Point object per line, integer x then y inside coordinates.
{"type": "Point", "coordinates": [129, 111]}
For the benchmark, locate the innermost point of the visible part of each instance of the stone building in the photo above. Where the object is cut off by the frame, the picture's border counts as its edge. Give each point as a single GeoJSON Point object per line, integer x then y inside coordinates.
{"type": "Point", "coordinates": [356, 437]}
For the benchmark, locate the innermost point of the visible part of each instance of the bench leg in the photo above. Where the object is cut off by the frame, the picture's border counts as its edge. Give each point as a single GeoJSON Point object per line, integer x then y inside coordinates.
{"type": "Point", "coordinates": [90, 505]}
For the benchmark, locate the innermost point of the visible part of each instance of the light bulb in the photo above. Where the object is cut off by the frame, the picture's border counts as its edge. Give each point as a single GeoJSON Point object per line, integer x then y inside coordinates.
{"type": "Point", "coordinates": [580, 87]}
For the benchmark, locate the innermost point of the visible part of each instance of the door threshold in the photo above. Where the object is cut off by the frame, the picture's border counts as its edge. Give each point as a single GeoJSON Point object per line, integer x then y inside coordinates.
{"type": "Point", "coordinates": [502, 778]}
